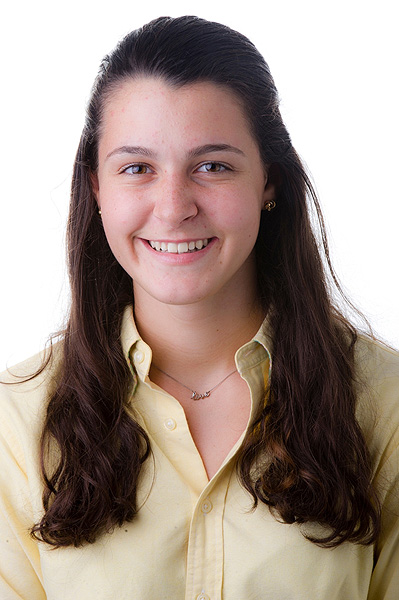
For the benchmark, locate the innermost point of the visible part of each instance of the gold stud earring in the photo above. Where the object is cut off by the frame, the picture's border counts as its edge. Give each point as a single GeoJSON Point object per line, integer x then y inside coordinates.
{"type": "Point", "coordinates": [269, 205]}
{"type": "Point", "coordinates": [99, 211]}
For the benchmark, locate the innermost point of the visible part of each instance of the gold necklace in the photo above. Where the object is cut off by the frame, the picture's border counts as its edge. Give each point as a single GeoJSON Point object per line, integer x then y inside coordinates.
{"type": "Point", "coordinates": [196, 395]}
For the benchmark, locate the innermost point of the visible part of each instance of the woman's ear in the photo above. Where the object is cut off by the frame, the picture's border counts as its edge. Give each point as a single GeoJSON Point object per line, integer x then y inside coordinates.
{"type": "Point", "coordinates": [269, 195]}
{"type": "Point", "coordinates": [94, 184]}
{"type": "Point", "coordinates": [271, 187]}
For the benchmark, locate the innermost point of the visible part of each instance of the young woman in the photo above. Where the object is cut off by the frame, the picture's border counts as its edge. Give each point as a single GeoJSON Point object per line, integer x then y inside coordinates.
{"type": "Point", "coordinates": [209, 424]}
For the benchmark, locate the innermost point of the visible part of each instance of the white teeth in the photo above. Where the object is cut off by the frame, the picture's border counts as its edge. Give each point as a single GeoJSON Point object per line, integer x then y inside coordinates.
{"type": "Point", "coordinates": [179, 248]}
{"type": "Point", "coordinates": [182, 248]}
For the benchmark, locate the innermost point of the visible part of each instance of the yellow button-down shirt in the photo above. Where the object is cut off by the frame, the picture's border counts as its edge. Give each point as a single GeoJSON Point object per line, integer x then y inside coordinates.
{"type": "Point", "coordinates": [194, 539]}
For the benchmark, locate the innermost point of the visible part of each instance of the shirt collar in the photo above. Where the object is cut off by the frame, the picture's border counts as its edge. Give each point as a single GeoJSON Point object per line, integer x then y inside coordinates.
{"type": "Point", "coordinates": [256, 351]}
{"type": "Point", "coordinates": [138, 354]}
{"type": "Point", "coordinates": [129, 333]}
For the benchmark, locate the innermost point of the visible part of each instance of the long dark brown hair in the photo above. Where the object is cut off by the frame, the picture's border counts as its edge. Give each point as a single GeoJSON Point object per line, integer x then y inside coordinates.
{"type": "Point", "coordinates": [317, 467]}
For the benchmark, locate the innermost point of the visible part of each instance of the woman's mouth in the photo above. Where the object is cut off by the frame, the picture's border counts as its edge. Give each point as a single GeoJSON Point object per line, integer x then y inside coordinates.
{"type": "Point", "coordinates": [179, 247]}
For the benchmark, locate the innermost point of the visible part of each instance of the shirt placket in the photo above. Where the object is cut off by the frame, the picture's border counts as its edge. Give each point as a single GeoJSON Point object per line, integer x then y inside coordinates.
{"type": "Point", "coordinates": [205, 552]}
{"type": "Point", "coordinates": [205, 555]}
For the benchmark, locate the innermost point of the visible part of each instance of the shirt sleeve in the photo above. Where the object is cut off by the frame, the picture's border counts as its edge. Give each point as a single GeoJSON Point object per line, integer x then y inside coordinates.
{"type": "Point", "coordinates": [384, 583]}
{"type": "Point", "coordinates": [20, 573]}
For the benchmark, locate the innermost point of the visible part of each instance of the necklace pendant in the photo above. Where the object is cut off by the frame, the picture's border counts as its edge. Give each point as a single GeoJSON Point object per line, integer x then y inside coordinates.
{"type": "Point", "coordinates": [197, 396]}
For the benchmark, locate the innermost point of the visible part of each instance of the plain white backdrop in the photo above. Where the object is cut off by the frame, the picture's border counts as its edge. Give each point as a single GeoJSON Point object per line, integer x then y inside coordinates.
{"type": "Point", "coordinates": [335, 65]}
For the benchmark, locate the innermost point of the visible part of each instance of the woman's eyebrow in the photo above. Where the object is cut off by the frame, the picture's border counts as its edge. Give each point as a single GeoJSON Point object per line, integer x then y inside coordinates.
{"type": "Point", "coordinates": [131, 150]}
{"type": "Point", "coordinates": [207, 148]}
{"type": "Point", "coordinates": [198, 151]}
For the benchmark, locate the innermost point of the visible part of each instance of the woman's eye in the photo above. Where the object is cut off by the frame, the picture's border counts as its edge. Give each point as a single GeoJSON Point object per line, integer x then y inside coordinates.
{"type": "Point", "coordinates": [212, 167]}
{"type": "Point", "coordinates": [137, 169]}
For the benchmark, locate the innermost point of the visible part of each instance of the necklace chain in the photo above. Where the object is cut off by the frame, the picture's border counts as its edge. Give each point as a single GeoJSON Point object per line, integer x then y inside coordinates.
{"type": "Point", "coordinates": [196, 395]}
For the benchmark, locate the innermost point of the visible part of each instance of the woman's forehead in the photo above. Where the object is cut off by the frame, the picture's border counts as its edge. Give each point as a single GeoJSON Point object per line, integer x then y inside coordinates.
{"type": "Point", "coordinates": [152, 106]}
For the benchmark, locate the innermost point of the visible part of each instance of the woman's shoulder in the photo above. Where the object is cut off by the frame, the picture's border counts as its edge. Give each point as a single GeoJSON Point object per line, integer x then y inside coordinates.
{"type": "Point", "coordinates": [377, 381]}
{"type": "Point", "coordinates": [25, 387]}
{"type": "Point", "coordinates": [378, 365]}
{"type": "Point", "coordinates": [24, 393]}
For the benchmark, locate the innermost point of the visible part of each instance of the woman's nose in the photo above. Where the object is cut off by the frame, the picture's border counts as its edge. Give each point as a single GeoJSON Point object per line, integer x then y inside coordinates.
{"type": "Point", "coordinates": [175, 201]}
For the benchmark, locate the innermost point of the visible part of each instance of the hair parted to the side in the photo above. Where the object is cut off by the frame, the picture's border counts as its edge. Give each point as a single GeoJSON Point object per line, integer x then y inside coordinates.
{"type": "Point", "coordinates": [317, 467]}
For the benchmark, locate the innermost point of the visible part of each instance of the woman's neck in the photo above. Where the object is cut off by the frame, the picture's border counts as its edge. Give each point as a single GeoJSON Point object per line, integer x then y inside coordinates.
{"type": "Point", "coordinates": [204, 335]}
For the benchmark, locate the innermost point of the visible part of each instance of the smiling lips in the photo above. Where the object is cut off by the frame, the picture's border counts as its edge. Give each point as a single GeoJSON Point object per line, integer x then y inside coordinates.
{"type": "Point", "coordinates": [179, 248]}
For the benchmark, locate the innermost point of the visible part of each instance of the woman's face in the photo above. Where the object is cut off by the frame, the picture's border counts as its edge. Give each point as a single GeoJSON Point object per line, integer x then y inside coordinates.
{"type": "Point", "coordinates": [181, 186]}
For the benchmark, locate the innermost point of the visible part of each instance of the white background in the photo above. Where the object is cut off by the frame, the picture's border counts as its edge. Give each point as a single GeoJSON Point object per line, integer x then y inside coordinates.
{"type": "Point", "coordinates": [336, 68]}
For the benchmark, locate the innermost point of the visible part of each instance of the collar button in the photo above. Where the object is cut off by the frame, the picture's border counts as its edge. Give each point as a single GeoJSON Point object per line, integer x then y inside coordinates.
{"type": "Point", "coordinates": [170, 424]}
{"type": "Point", "coordinates": [138, 356]}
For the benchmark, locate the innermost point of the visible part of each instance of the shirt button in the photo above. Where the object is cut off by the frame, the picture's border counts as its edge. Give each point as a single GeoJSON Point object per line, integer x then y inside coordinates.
{"type": "Point", "coordinates": [138, 356]}
{"type": "Point", "coordinates": [170, 424]}
{"type": "Point", "coordinates": [202, 596]}
{"type": "Point", "coordinates": [206, 506]}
